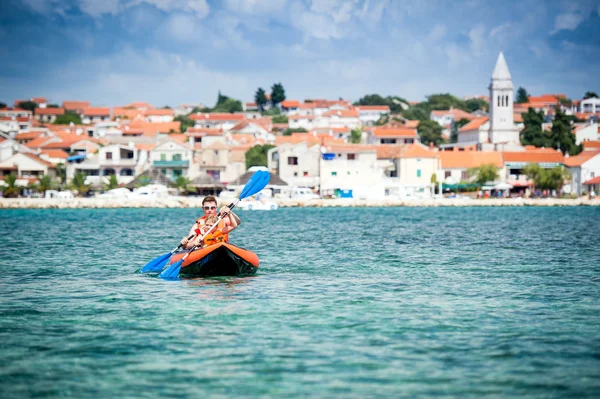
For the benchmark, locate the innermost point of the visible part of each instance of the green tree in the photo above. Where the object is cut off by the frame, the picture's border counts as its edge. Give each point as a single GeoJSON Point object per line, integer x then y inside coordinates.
{"type": "Point", "coordinates": [484, 173]}
{"type": "Point", "coordinates": [396, 104]}
{"type": "Point", "coordinates": [355, 136]}
{"type": "Point", "coordinates": [112, 183]}
{"type": "Point", "coordinates": [277, 94]}
{"type": "Point", "coordinates": [257, 155]}
{"type": "Point", "coordinates": [534, 172]}
{"type": "Point", "coordinates": [473, 104]}
{"type": "Point", "coordinates": [260, 98]}
{"type": "Point", "coordinates": [522, 96]}
{"type": "Point", "coordinates": [186, 122]}
{"type": "Point", "coordinates": [78, 184]}
{"type": "Point", "coordinates": [280, 119]}
{"type": "Point", "coordinates": [28, 105]}
{"type": "Point", "coordinates": [419, 112]}
{"type": "Point", "coordinates": [2, 105]}
{"type": "Point", "coordinates": [182, 184]}
{"type": "Point", "coordinates": [61, 172]}
{"type": "Point", "coordinates": [548, 179]}
{"type": "Point", "coordinates": [272, 112]}
{"type": "Point", "coordinates": [52, 106]}
{"type": "Point", "coordinates": [590, 94]}
{"type": "Point", "coordinates": [430, 132]}
{"type": "Point", "coordinates": [45, 183]}
{"type": "Point", "coordinates": [67, 118]}
{"type": "Point", "coordinates": [166, 107]}
{"type": "Point", "coordinates": [532, 133]}
{"type": "Point", "coordinates": [289, 131]}
{"type": "Point", "coordinates": [445, 101]}
{"type": "Point", "coordinates": [10, 190]}
{"type": "Point", "coordinates": [562, 136]}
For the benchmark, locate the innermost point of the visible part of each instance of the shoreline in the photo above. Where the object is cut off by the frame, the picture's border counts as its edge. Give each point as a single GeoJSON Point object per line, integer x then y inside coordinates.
{"type": "Point", "coordinates": [196, 202]}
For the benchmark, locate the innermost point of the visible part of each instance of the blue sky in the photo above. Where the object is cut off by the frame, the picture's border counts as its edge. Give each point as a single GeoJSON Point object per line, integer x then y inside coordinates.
{"type": "Point", "coordinates": [112, 52]}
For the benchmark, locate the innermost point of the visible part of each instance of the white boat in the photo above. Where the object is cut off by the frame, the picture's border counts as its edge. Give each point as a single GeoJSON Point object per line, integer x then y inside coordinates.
{"type": "Point", "coordinates": [261, 203]}
{"type": "Point", "coordinates": [151, 191]}
{"type": "Point", "coordinates": [115, 193]}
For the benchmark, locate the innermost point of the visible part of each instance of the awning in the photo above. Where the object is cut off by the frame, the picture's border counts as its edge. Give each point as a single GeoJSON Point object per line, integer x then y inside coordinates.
{"type": "Point", "coordinates": [76, 157]}
{"type": "Point", "coordinates": [503, 186]}
{"type": "Point", "coordinates": [591, 182]}
{"type": "Point", "coordinates": [459, 186]}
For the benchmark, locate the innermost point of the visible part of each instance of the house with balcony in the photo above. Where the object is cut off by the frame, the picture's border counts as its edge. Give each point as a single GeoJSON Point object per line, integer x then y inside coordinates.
{"type": "Point", "coordinates": [583, 168]}
{"type": "Point", "coordinates": [392, 135]}
{"type": "Point", "coordinates": [515, 161]}
{"type": "Point", "coordinates": [48, 115]}
{"type": "Point", "coordinates": [590, 105]}
{"type": "Point", "coordinates": [220, 161]}
{"type": "Point", "coordinates": [114, 159]}
{"type": "Point", "coordinates": [172, 158]}
{"type": "Point", "coordinates": [91, 115]}
{"type": "Point", "coordinates": [370, 114]}
{"type": "Point", "coordinates": [26, 165]}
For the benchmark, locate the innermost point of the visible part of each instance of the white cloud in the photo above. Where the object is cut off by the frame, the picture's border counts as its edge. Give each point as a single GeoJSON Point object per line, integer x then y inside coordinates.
{"type": "Point", "coordinates": [311, 24]}
{"type": "Point", "coordinates": [499, 29]}
{"type": "Point", "coordinates": [46, 7]}
{"type": "Point", "coordinates": [478, 38]}
{"type": "Point", "coordinates": [566, 22]}
{"type": "Point", "coordinates": [96, 8]}
{"type": "Point", "coordinates": [255, 7]}
{"type": "Point", "coordinates": [438, 32]}
{"type": "Point", "coordinates": [198, 7]}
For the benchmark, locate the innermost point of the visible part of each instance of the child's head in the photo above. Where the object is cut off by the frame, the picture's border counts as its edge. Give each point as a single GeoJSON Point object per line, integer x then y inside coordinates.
{"type": "Point", "coordinates": [210, 220]}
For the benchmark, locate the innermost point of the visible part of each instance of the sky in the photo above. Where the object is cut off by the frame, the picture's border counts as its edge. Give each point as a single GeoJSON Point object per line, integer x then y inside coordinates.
{"type": "Point", "coordinates": [171, 52]}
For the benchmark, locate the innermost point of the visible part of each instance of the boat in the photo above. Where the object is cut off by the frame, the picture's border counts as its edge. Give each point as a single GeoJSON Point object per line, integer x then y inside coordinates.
{"type": "Point", "coordinates": [221, 259]}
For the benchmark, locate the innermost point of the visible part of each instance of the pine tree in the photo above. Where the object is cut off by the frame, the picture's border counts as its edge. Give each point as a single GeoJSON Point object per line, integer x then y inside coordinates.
{"type": "Point", "coordinates": [260, 98]}
{"type": "Point", "coordinates": [533, 134]}
{"type": "Point", "coordinates": [522, 96]}
{"type": "Point", "coordinates": [277, 94]}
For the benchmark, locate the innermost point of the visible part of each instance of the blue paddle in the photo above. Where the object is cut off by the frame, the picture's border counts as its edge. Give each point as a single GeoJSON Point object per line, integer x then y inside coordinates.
{"type": "Point", "coordinates": [257, 182]}
{"type": "Point", "coordinates": [157, 264]}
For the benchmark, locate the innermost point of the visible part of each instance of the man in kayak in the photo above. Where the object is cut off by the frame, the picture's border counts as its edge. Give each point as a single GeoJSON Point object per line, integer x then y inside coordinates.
{"type": "Point", "coordinates": [209, 205]}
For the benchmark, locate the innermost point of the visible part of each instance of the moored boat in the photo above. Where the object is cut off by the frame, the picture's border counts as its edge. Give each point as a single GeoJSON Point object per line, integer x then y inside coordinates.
{"type": "Point", "coordinates": [220, 259]}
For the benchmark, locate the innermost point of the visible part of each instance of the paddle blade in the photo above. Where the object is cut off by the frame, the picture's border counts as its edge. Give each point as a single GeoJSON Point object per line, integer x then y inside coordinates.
{"type": "Point", "coordinates": [257, 182]}
{"type": "Point", "coordinates": [172, 272]}
{"type": "Point", "coordinates": [156, 265]}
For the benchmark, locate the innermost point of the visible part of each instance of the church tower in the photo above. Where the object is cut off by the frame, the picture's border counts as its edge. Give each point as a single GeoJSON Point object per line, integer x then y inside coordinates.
{"type": "Point", "coordinates": [502, 129]}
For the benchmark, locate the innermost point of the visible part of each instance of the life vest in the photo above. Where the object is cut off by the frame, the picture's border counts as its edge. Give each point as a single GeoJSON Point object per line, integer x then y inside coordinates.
{"type": "Point", "coordinates": [202, 221]}
{"type": "Point", "coordinates": [213, 238]}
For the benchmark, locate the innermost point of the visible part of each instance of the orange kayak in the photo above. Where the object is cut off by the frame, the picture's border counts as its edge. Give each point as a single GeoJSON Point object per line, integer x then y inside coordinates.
{"type": "Point", "coordinates": [220, 259]}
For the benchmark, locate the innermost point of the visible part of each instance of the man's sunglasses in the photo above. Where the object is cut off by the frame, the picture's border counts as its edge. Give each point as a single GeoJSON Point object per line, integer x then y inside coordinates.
{"type": "Point", "coordinates": [207, 208]}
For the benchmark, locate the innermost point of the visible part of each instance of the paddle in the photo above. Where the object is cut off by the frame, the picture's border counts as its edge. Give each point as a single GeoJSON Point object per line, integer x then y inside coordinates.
{"type": "Point", "coordinates": [157, 264]}
{"type": "Point", "coordinates": [257, 182]}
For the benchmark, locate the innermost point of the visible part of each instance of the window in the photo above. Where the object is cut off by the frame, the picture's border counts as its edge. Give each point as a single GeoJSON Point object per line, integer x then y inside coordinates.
{"type": "Point", "coordinates": [409, 141]}
{"type": "Point", "coordinates": [418, 172]}
{"type": "Point", "coordinates": [464, 175]}
{"type": "Point", "coordinates": [109, 155]}
{"type": "Point", "coordinates": [177, 172]}
{"type": "Point", "coordinates": [163, 157]}
{"type": "Point", "coordinates": [388, 141]}
{"type": "Point", "coordinates": [447, 174]}
{"type": "Point", "coordinates": [176, 157]}
{"type": "Point", "coordinates": [333, 173]}
{"type": "Point", "coordinates": [305, 174]}
{"type": "Point", "coordinates": [351, 157]}
{"type": "Point", "coordinates": [592, 175]}
{"type": "Point", "coordinates": [295, 174]}
{"type": "Point", "coordinates": [292, 160]}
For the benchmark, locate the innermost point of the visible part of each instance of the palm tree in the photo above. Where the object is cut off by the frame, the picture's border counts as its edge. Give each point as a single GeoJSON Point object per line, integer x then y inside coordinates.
{"type": "Point", "coordinates": [61, 171]}
{"type": "Point", "coordinates": [113, 182]}
{"type": "Point", "coordinates": [182, 184]}
{"type": "Point", "coordinates": [78, 184]}
{"type": "Point", "coordinates": [45, 182]}
{"type": "Point", "coordinates": [10, 190]}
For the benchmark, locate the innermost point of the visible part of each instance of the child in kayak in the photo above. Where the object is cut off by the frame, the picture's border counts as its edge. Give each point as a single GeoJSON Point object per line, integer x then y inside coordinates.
{"type": "Point", "coordinates": [212, 235]}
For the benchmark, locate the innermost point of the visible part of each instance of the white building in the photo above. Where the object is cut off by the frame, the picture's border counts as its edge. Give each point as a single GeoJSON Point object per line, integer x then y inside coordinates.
{"type": "Point", "coordinates": [173, 159]}
{"type": "Point", "coordinates": [590, 105]}
{"type": "Point", "coordinates": [222, 121]}
{"type": "Point", "coordinates": [159, 115]}
{"type": "Point", "coordinates": [583, 167]}
{"type": "Point", "coordinates": [370, 114]}
{"type": "Point", "coordinates": [297, 164]}
{"type": "Point", "coordinates": [586, 132]}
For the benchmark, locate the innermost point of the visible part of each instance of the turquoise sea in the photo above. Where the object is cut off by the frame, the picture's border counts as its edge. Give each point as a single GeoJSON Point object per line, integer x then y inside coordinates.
{"type": "Point", "coordinates": [348, 302]}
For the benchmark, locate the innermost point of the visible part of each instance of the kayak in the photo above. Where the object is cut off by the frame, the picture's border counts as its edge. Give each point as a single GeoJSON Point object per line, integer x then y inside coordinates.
{"type": "Point", "coordinates": [220, 259]}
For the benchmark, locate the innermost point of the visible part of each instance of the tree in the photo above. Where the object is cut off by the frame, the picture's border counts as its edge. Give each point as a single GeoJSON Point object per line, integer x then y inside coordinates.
{"type": "Point", "coordinates": [10, 190]}
{"type": "Point", "coordinates": [112, 183]}
{"type": "Point", "coordinates": [474, 104]}
{"type": "Point", "coordinates": [534, 172]}
{"type": "Point", "coordinates": [590, 94]}
{"type": "Point", "coordinates": [549, 179]}
{"type": "Point", "coordinates": [483, 173]}
{"type": "Point", "coordinates": [455, 128]}
{"type": "Point", "coordinates": [166, 107]}
{"type": "Point", "coordinates": [182, 184]}
{"type": "Point", "coordinates": [186, 122]}
{"type": "Point", "coordinates": [561, 136]}
{"type": "Point", "coordinates": [28, 105]}
{"type": "Point", "coordinates": [419, 112]}
{"type": "Point", "coordinates": [355, 136]}
{"type": "Point", "coordinates": [532, 133]}
{"type": "Point", "coordinates": [272, 111]}
{"type": "Point", "coordinates": [277, 94]}
{"type": "Point", "coordinates": [61, 171]}
{"type": "Point", "coordinates": [257, 155]}
{"type": "Point", "coordinates": [522, 96]}
{"type": "Point", "coordinates": [67, 118]}
{"type": "Point", "coordinates": [45, 183]}
{"type": "Point", "coordinates": [52, 106]}
{"type": "Point", "coordinates": [395, 103]}
{"type": "Point", "coordinates": [289, 131]}
{"type": "Point", "coordinates": [280, 119]}
{"type": "Point", "coordinates": [2, 105]}
{"type": "Point", "coordinates": [78, 184]}
{"type": "Point", "coordinates": [445, 101]}
{"type": "Point", "coordinates": [430, 132]}
{"type": "Point", "coordinates": [260, 98]}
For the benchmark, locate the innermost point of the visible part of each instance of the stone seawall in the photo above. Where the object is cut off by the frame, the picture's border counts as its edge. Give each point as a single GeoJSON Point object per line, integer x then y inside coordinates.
{"type": "Point", "coordinates": [196, 202]}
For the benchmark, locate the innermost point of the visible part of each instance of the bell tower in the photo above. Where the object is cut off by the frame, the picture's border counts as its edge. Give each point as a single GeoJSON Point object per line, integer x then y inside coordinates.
{"type": "Point", "coordinates": [502, 128]}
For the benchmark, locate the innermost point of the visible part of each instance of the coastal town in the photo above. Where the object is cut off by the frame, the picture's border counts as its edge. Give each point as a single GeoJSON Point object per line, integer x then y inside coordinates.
{"type": "Point", "coordinates": [505, 144]}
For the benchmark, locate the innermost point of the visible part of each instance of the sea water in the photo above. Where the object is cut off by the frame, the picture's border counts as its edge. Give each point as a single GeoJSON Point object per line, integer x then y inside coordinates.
{"type": "Point", "coordinates": [348, 302]}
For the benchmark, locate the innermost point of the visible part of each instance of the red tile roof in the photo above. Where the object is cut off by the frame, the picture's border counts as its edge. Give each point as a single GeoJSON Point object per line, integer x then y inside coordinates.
{"type": "Point", "coordinates": [469, 159]}
{"type": "Point", "coordinates": [39, 100]}
{"type": "Point", "coordinates": [351, 113]}
{"type": "Point", "coordinates": [56, 153]}
{"type": "Point", "coordinates": [152, 129]}
{"type": "Point", "coordinates": [547, 98]}
{"type": "Point", "coordinates": [38, 159]}
{"type": "Point", "coordinates": [139, 105]}
{"type": "Point", "coordinates": [217, 117]}
{"type": "Point", "coordinates": [591, 145]}
{"type": "Point", "coordinates": [394, 132]}
{"type": "Point", "coordinates": [417, 150]}
{"type": "Point", "coordinates": [49, 111]}
{"type": "Point", "coordinates": [474, 124]}
{"type": "Point", "coordinates": [203, 131]}
{"type": "Point", "coordinates": [383, 108]}
{"type": "Point", "coordinates": [457, 114]}
{"type": "Point", "coordinates": [595, 180]}
{"type": "Point", "coordinates": [290, 103]}
{"type": "Point", "coordinates": [539, 155]}
{"type": "Point", "coordinates": [580, 159]}
{"type": "Point", "coordinates": [159, 112]}
{"type": "Point", "coordinates": [96, 111]}
{"type": "Point", "coordinates": [75, 105]}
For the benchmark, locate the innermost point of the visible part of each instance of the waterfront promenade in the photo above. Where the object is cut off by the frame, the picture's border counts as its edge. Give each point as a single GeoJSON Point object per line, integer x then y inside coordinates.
{"type": "Point", "coordinates": [195, 202]}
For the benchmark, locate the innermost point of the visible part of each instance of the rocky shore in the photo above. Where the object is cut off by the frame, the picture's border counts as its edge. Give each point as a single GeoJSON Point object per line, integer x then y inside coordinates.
{"type": "Point", "coordinates": [196, 202]}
